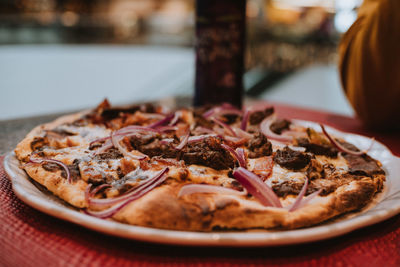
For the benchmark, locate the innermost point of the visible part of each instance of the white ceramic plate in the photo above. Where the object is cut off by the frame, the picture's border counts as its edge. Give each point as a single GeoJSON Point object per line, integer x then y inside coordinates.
{"type": "Point", "coordinates": [388, 205]}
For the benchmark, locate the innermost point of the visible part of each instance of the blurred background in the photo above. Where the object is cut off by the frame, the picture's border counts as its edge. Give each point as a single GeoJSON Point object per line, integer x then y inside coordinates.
{"type": "Point", "coordinates": [61, 55]}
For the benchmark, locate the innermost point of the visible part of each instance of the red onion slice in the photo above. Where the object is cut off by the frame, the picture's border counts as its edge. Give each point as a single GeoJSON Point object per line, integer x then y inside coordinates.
{"type": "Point", "coordinates": [193, 139]}
{"type": "Point", "coordinates": [308, 199]}
{"type": "Point", "coordinates": [242, 157]}
{"type": "Point", "coordinates": [225, 108]}
{"type": "Point", "coordinates": [205, 188]}
{"type": "Point", "coordinates": [99, 140]}
{"type": "Point", "coordinates": [234, 140]}
{"type": "Point", "coordinates": [225, 126]}
{"type": "Point", "coordinates": [136, 129]}
{"type": "Point", "coordinates": [107, 145]}
{"type": "Point", "coordinates": [167, 128]}
{"type": "Point", "coordinates": [204, 130]}
{"type": "Point", "coordinates": [116, 143]}
{"type": "Point", "coordinates": [265, 129]}
{"type": "Point", "coordinates": [63, 165]}
{"type": "Point", "coordinates": [300, 196]}
{"type": "Point", "coordinates": [90, 193]}
{"type": "Point", "coordinates": [257, 187]}
{"type": "Point", "coordinates": [338, 145]}
{"type": "Point", "coordinates": [239, 132]}
{"type": "Point", "coordinates": [241, 161]}
{"type": "Point", "coordinates": [134, 195]}
{"type": "Point", "coordinates": [161, 122]}
{"type": "Point", "coordinates": [176, 118]}
{"type": "Point", "coordinates": [245, 119]}
{"type": "Point", "coordinates": [184, 141]}
{"type": "Point", "coordinates": [167, 141]}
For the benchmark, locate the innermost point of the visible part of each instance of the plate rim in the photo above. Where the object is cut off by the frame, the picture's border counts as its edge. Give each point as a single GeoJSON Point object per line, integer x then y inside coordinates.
{"type": "Point", "coordinates": [225, 239]}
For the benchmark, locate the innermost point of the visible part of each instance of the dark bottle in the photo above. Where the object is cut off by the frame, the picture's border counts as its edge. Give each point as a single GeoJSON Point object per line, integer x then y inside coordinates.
{"type": "Point", "coordinates": [220, 41]}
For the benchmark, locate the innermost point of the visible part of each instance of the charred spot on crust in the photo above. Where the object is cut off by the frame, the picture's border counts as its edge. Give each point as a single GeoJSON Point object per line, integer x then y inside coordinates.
{"type": "Point", "coordinates": [291, 159]}
{"type": "Point", "coordinates": [318, 149]}
{"type": "Point", "coordinates": [38, 143]}
{"type": "Point", "coordinates": [280, 125]}
{"type": "Point", "coordinates": [358, 198]}
{"type": "Point", "coordinates": [258, 116]}
{"type": "Point", "coordinates": [259, 146]}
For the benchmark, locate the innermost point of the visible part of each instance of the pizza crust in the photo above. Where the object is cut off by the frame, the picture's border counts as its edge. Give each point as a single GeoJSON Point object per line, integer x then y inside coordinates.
{"type": "Point", "coordinates": [161, 208]}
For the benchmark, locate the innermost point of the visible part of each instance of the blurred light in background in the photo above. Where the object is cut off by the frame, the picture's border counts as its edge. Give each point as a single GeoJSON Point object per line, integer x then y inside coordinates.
{"type": "Point", "coordinates": [282, 34]}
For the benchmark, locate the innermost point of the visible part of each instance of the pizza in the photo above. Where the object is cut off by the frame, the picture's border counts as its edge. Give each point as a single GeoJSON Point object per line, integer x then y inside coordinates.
{"type": "Point", "coordinates": [200, 169]}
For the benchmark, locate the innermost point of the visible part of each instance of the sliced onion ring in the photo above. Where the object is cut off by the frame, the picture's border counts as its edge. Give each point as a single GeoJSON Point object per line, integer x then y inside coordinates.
{"type": "Point", "coordinates": [342, 148]}
{"type": "Point", "coordinates": [63, 165]}
{"type": "Point", "coordinates": [245, 119]}
{"type": "Point", "coordinates": [107, 145]}
{"type": "Point", "coordinates": [128, 198]}
{"type": "Point", "coordinates": [307, 199]}
{"type": "Point", "coordinates": [116, 143]}
{"type": "Point", "coordinates": [193, 139]}
{"type": "Point", "coordinates": [204, 130]}
{"type": "Point", "coordinates": [90, 193]}
{"type": "Point", "coordinates": [242, 157]}
{"type": "Point", "coordinates": [241, 161]}
{"type": "Point", "coordinates": [99, 140]}
{"type": "Point", "coordinates": [175, 119]}
{"type": "Point", "coordinates": [225, 108]}
{"type": "Point", "coordinates": [161, 122]}
{"type": "Point", "coordinates": [255, 186]}
{"type": "Point", "coordinates": [136, 129]}
{"type": "Point", "coordinates": [265, 129]}
{"type": "Point", "coordinates": [299, 197]}
{"type": "Point", "coordinates": [225, 126]}
{"type": "Point", "coordinates": [167, 128]}
{"type": "Point", "coordinates": [184, 141]}
{"type": "Point", "coordinates": [206, 188]}
{"type": "Point", "coordinates": [239, 132]}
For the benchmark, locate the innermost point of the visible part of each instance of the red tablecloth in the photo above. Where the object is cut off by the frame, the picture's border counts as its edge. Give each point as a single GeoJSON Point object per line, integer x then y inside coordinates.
{"type": "Point", "coordinates": [31, 238]}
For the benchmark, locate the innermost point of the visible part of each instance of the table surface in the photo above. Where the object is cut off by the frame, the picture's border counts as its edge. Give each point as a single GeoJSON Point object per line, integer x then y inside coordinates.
{"type": "Point", "coordinates": [30, 238]}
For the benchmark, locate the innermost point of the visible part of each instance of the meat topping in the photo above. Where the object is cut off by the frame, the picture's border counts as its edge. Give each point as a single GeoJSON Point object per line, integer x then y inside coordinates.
{"type": "Point", "coordinates": [363, 165]}
{"type": "Point", "coordinates": [230, 118]}
{"type": "Point", "coordinates": [318, 149]}
{"type": "Point", "coordinates": [152, 146]}
{"type": "Point", "coordinates": [291, 159]}
{"type": "Point", "coordinates": [111, 153]}
{"type": "Point", "coordinates": [111, 113]}
{"type": "Point", "coordinates": [280, 125]}
{"type": "Point", "coordinates": [259, 146]}
{"type": "Point", "coordinates": [257, 116]}
{"type": "Point", "coordinates": [208, 152]}
{"type": "Point", "coordinates": [200, 120]}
